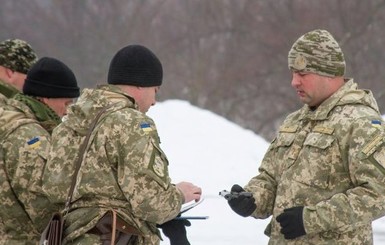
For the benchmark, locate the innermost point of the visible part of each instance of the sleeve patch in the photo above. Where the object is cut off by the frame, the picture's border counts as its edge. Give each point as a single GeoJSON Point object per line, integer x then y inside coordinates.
{"type": "Point", "coordinates": [158, 166]}
{"type": "Point", "coordinates": [34, 142]}
{"type": "Point", "coordinates": [146, 127]}
{"type": "Point", "coordinates": [376, 123]}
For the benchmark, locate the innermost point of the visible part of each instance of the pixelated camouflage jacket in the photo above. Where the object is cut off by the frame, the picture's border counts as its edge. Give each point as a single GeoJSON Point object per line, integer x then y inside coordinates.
{"type": "Point", "coordinates": [332, 161]}
{"type": "Point", "coordinates": [24, 209]}
{"type": "Point", "coordinates": [124, 168]}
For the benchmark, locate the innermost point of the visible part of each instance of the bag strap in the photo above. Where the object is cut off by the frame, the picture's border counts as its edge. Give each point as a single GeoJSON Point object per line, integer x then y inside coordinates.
{"type": "Point", "coordinates": [79, 160]}
{"type": "Point", "coordinates": [113, 235]}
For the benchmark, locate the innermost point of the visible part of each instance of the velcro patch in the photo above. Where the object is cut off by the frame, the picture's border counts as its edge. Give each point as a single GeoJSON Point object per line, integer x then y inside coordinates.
{"type": "Point", "coordinates": [288, 129]}
{"type": "Point", "coordinates": [372, 145]}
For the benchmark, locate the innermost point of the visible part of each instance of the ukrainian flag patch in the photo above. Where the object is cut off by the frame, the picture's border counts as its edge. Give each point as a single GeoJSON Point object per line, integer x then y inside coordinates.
{"type": "Point", "coordinates": [376, 123]}
{"type": "Point", "coordinates": [34, 142]}
{"type": "Point", "coordinates": [146, 127]}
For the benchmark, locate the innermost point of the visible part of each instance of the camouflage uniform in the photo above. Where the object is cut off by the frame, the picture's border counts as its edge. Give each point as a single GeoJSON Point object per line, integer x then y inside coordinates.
{"type": "Point", "coordinates": [329, 160]}
{"type": "Point", "coordinates": [24, 209]}
{"type": "Point", "coordinates": [124, 168]}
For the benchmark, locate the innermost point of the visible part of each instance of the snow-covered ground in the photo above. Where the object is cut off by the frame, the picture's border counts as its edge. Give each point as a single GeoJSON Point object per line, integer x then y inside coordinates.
{"type": "Point", "coordinates": [215, 153]}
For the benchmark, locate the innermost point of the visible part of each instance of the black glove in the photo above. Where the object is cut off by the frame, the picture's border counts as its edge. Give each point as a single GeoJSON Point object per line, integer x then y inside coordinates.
{"type": "Point", "coordinates": [291, 222]}
{"type": "Point", "coordinates": [175, 230]}
{"type": "Point", "coordinates": [242, 205]}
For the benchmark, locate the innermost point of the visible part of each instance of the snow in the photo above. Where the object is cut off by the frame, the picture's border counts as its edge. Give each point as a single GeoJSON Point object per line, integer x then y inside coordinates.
{"type": "Point", "coordinates": [214, 153]}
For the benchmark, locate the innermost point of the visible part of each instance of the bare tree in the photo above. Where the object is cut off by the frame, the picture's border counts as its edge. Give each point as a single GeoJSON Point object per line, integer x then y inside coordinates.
{"type": "Point", "coordinates": [226, 56]}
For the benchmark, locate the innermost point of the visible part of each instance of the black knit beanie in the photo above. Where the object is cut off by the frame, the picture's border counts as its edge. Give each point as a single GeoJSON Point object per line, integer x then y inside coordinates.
{"type": "Point", "coordinates": [135, 65]}
{"type": "Point", "coordinates": [51, 78]}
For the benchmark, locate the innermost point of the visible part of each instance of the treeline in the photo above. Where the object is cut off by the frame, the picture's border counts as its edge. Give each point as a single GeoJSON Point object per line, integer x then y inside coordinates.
{"type": "Point", "coordinates": [223, 55]}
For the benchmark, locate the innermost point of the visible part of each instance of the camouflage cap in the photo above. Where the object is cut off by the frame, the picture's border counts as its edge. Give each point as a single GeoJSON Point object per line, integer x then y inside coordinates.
{"type": "Point", "coordinates": [17, 55]}
{"type": "Point", "coordinates": [317, 52]}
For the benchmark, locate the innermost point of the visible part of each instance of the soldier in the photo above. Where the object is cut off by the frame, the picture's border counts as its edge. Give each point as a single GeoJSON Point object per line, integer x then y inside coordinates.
{"type": "Point", "coordinates": [322, 178]}
{"type": "Point", "coordinates": [124, 173]}
{"type": "Point", "coordinates": [16, 58]}
{"type": "Point", "coordinates": [26, 121]}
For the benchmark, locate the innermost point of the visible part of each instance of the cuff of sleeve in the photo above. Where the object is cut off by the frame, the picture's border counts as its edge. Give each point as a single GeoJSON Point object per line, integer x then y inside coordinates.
{"type": "Point", "coordinates": [311, 222]}
{"type": "Point", "coordinates": [180, 194]}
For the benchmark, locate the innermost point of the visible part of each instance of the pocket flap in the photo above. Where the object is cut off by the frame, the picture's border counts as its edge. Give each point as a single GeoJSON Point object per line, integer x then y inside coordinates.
{"type": "Point", "coordinates": [319, 140]}
{"type": "Point", "coordinates": [284, 139]}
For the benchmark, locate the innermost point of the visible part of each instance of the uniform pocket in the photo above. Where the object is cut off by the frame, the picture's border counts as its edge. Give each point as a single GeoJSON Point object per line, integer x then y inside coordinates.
{"type": "Point", "coordinates": [283, 148]}
{"type": "Point", "coordinates": [157, 167]}
{"type": "Point", "coordinates": [319, 162]}
{"type": "Point", "coordinates": [319, 141]}
{"type": "Point", "coordinates": [284, 140]}
{"type": "Point", "coordinates": [379, 156]}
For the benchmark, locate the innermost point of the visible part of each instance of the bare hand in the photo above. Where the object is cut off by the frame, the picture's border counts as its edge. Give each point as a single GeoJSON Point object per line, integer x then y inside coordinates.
{"type": "Point", "coordinates": [190, 191]}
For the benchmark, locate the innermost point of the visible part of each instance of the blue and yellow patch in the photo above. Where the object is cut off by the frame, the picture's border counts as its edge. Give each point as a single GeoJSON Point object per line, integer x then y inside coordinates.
{"type": "Point", "coordinates": [34, 142]}
{"type": "Point", "coordinates": [376, 123]}
{"type": "Point", "coordinates": [146, 127]}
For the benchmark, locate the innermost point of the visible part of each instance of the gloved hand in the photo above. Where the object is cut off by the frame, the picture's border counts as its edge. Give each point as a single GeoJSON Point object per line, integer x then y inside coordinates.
{"type": "Point", "coordinates": [175, 230]}
{"type": "Point", "coordinates": [291, 222]}
{"type": "Point", "coordinates": [242, 205]}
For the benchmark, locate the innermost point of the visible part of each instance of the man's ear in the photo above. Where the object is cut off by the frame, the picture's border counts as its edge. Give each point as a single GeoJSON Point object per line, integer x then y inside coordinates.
{"type": "Point", "coordinates": [44, 100]}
